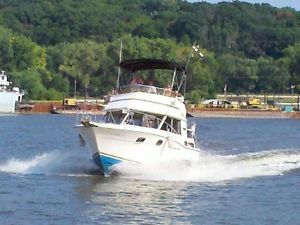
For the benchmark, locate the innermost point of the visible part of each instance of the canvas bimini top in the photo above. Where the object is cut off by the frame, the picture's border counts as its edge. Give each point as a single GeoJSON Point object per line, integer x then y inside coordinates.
{"type": "Point", "coordinates": [134, 65]}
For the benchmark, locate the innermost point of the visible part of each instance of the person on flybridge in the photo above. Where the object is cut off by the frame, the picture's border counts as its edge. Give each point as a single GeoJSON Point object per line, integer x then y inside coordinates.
{"type": "Point", "coordinates": [151, 88]}
{"type": "Point", "coordinates": [136, 80]}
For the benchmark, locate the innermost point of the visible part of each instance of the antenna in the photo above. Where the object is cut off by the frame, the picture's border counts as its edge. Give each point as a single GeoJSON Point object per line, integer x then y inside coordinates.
{"type": "Point", "coordinates": [196, 49]}
{"type": "Point", "coordinates": [119, 69]}
{"type": "Point", "coordinates": [189, 59]}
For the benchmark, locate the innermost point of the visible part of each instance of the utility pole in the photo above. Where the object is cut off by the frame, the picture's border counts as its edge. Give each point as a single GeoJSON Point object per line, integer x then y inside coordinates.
{"type": "Point", "coordinates": [75, 87]}
{"type": "Point", "coordinates": [292, 89]}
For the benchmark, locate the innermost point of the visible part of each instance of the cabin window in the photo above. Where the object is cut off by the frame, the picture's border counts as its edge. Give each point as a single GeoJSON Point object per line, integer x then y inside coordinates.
{"type": "Point", "coordinates": [150, 121]}
{"type": "Point", "coordinates": [177, 126]}
{"type": "Point", "coordinates": [114, 117]}
{"type": "Point", "coordinates": [135, 119]}
{"type": "Point", "coordinates": [167, 124]}
{"type": "Point", "coordinates": [159, 142]}
{"type": "Point", "coordinates": [172, 125]}
{"type": "Point", "coordinates": [144, 120]}
{"type": "Point", "coordinates": [191, 145]}
{"type": "Point", "coordinates": [140, 140]}
{"type": "Point", "coordinates": [108, 118]}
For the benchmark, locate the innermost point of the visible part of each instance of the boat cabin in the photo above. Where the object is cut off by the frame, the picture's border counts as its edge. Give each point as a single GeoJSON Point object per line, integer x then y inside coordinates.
{"type": "Point", "coordinates": [150, 106]}
{"type": "Point", "coordinates": [152, 121]}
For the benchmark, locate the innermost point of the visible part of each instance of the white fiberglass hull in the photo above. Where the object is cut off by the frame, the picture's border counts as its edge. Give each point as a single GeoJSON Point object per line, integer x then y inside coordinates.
{"type": "Point", "coordinates": [7, 102]}
{"type": "Point", "coordinates": [111, 144]}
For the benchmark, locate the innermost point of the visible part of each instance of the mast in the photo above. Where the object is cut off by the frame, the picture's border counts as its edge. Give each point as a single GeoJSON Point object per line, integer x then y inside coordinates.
{"type": "Point", "coordinates": [119, 69]}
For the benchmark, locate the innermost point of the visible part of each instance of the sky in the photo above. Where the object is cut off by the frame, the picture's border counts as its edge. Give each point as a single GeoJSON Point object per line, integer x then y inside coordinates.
{"type": "Point", "coordinates": [277, 3]}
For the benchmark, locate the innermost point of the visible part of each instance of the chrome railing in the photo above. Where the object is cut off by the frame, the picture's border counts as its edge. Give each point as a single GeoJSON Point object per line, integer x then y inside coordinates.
{"type": "Point", "coordinates": [147, 89]}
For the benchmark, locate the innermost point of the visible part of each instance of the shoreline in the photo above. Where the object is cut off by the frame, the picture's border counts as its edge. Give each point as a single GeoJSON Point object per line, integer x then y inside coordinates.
{"type": "Point", "coordinates": [244, 114]}
{"type": "Point", "coordinates": [55, 107]}
{"type": "Point", "coordinates": [195, 113]}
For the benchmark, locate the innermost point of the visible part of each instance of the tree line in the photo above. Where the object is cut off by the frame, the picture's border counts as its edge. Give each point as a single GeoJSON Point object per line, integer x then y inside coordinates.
{"type": "Point", "coordinates": [45, 46]}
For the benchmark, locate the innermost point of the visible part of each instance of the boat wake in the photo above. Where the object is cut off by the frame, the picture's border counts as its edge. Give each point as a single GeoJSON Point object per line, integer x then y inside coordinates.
{"type": "Point", "coordinates": [209, 168]}
{"type": "Point", "coordinates": [53, 163]}
{"type": "Point", "coordinates": [216, 168]}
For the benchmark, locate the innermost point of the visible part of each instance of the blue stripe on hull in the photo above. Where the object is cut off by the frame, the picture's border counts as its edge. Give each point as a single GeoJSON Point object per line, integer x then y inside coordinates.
{"type": "Point", "coordinates": [105, 162]}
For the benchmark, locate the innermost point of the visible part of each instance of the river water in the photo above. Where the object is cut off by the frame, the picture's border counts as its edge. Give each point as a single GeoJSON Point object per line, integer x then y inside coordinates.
{"type": "Point", "coordinates": [248, 173]}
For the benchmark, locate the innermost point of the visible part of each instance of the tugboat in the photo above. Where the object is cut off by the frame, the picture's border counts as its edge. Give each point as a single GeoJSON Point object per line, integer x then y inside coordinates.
{"type": "Point", "coordinates": [143, 123]}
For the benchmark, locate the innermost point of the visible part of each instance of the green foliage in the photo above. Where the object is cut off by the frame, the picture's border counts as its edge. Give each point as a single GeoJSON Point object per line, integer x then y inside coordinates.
{"type": "Point", "coordinates": [82, 61]}
{"type": "Point", "coordinates": [26, 53]}
{"type": "Point", "coordinates": [257, 30]}
{"type": "Point", "coordinates": [202, 76]}
{"type": "Point", "coordinates": [30, 80]}
{"type": "Point", "coordinates": [292, 61]}
{"type": "Point", "coordinates": [19, 52]}
{"type": "Point", "coordinates": [46, 46]}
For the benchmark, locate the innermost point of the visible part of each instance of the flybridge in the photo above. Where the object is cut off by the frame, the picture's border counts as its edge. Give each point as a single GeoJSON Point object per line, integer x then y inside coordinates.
{"type": "Point", "coordinates": [176, 84]}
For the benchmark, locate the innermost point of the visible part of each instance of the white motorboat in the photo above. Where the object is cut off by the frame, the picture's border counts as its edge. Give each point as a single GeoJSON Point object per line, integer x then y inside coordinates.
{"type": "Point", "coordinates": [9, 97]}
{"type": "Point", "coordinates": [143, 123]}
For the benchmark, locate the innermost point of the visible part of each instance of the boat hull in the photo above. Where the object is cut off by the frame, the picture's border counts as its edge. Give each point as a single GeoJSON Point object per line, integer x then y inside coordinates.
{"type": "Point", "coordinates": [8, 102]}
{"type": "Point", "coordinates": [111, 144]}
{"type": "Point", "coordinates": [105, 162]}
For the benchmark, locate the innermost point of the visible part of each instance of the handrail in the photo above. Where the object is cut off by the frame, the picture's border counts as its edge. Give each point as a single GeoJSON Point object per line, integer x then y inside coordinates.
{"type": "Point", "coordinates": [148, 89]}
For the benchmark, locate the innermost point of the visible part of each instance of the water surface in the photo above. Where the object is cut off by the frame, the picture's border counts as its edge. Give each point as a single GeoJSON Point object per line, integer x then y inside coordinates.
{"type": "Point", "coordinates": [249, 173]}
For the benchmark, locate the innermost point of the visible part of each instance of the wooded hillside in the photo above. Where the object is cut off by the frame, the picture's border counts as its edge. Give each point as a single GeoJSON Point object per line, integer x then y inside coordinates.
{"type": "Point", "coordinates": [45, 45]}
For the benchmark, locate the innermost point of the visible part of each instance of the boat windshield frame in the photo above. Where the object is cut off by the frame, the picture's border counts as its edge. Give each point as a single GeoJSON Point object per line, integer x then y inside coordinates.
{"type": "Point", "coordinates": [128, 119]}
